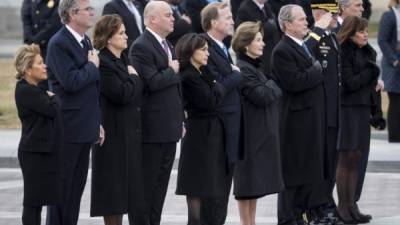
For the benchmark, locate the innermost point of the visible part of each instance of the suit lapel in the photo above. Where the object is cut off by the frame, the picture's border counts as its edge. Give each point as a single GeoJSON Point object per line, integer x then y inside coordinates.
{"type": "Point", "coordinates": [128, 14]}
{"type": "Point", "coordinates": [72, 39]}
{"type": "Point", "coordinates": [297, 47]}
{"type": "Point", "coordinates": [150, 37]}
{"type": "Point", "coordinates": [218, 49]}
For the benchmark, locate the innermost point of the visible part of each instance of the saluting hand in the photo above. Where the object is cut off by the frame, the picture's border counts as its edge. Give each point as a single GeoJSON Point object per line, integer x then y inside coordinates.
{"type": "Point", "coordinates": [324, 21]}
{"type": "Point", "coordinates": [93, 57]}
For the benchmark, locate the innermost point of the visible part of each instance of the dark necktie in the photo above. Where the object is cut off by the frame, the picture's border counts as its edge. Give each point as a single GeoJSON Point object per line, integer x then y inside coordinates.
{"type": "Point", "coordinates": [86, 46]}
{"type": "Point", "coordinates": [306, 50]}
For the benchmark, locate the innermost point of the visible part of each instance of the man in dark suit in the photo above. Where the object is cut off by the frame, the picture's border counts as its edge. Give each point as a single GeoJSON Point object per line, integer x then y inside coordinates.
{"type": "Point", "coordinates": [217, 21]}
{"type": "Point", "coordinates": [131, 12]}
{"type": "Point", "coordinates": [40, 21]}
{"type": "Point", "coordinates": [162, 112]}
{"type": "Point", "coordinates": [182, 23]}
{"type": "Point", "coordinates": [73, 76]}
{"type": "Point", "coordinates": [260, 10]}
{"type": "Point", "coordinates": [302, 117]}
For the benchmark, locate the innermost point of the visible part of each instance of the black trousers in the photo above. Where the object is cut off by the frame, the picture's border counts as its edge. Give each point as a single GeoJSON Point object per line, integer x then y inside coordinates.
{"type": "Point", "coordinates": [292, 204]}
{"type": "Point", "coordinates": [75, 169]}
{"type": "Point", "coordinates": [158, 159]}
{"type": "Point", "coordinates": [393, 117]}
{"type": "Point", "coordinates": [31, 215]}
{"type": "Point", "coordinates": [321, 193]}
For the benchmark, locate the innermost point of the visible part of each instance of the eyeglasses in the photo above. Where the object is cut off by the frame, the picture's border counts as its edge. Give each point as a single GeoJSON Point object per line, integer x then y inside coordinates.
{"type": "Point", "coordinates": [89, 9]}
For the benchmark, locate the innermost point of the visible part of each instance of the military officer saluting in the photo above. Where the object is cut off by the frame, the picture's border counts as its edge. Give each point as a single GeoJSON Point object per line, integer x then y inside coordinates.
{"type": "Point", "coordinates": [40, 22]}
{"type": "Point", "coordinates": [325, 47]}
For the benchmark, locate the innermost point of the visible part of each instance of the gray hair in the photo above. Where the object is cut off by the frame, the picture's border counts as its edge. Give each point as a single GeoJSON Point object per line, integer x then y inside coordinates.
{"type": "Point", "coordinates": [65, 7]}
{"type": "Point", "coordinates": [286, 15]}
{"type": "Point", "coordinates": [344, 3]}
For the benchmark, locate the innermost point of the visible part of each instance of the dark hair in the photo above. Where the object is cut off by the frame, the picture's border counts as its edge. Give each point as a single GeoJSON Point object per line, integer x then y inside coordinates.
{"type": "Point", "coordinates": [186, 46]}
{"type": "Point", "coordinates": [210, 13]}
{"type": "Point", "coordinates": [105, 28]}
{"type": "Point", "coordinates": [351, 25]}
{"type": "Point", "coordinates": [244, 35]}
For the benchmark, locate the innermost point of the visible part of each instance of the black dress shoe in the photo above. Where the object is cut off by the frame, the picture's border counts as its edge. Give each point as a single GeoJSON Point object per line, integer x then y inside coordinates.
{"type": "Point", "coordinates": [357, 216]}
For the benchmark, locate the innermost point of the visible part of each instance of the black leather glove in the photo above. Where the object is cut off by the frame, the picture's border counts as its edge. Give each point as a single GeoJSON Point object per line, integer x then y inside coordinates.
{"type": "Point", "coordinates": [315, 69]}
{"type": "Point", "coordinates": [378, 123]}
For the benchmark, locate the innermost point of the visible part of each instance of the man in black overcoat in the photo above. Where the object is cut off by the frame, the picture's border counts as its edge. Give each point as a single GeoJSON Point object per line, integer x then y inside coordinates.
{"type": "Point", "coordinates": [131, 12]}
{"type": "Point", "coordinates": [260, 10]}
{"type": "Point", "coordinates": [162, 110]}
{"type": "Point", "coordinates": [40, 22]}
{"type": "Point", "coordinates": [74, 77]}
{"type": "Point", "coordinates": [302, 117]}
{"type": "Point", "coordinates": [218, 23]}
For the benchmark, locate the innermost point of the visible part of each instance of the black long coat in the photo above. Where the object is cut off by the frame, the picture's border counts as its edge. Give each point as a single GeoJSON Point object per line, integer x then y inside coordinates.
{"type": "Point", "coordinates": [260, 172]}
{"type": "Point", "coordinates": [117, 165]}
{"type": "Point", "coordinates": [203, 163]}
{"type": "Point", "coordinates": [302, 116]}
{"type": "Point", "coordinates": [359, 78]}
{"type": "Point", "coordinates": [249, 11]}
{"type": "Point", "coordinates": [40, 149]}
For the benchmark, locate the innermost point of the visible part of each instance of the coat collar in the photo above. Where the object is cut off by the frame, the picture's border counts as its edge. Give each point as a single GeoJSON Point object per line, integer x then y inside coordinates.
{"type": "Point", "coordinates": [217, 48]}
{"type": "Point", "coordinates": [297, 47]}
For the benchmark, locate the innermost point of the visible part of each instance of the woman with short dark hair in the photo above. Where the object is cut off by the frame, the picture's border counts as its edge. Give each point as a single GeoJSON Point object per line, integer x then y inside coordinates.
{"type": "Point", "coordinates": [359, 82]}
{"type": "Point", "coordinates": [117, 182]}
{"type": "Point", "coordinates": [203, 167]}
{"type": "Point", "coordinates": [260, 173]}
{"type": "Point", "coordinates": [40, 149]}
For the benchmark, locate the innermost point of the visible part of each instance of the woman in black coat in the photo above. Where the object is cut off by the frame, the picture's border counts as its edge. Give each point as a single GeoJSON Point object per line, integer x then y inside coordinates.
{"type": "Point", "coordinates": [39, 150]}
{"type": "Point", "coordinates": [260, 173]}
{"type": "Point", "coordinates": [117, 183]}
{"type": "Point", "coordinates": [203, 171]}
{"type": "Point", "coordinates": [359, 84]}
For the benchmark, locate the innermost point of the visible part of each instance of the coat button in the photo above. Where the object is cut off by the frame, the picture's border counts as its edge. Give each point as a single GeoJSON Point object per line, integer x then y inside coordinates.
{"type": "Point", "coordinates": [37, 11]}
{"type": "Point", "coordinates": [138, 109]}
{"type": "Point", "coordinates": [35, 26]}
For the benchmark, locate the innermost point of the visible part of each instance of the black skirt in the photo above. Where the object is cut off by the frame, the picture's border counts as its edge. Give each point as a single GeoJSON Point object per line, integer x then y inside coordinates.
{"type": "Point", "coordinates": [355, 130]}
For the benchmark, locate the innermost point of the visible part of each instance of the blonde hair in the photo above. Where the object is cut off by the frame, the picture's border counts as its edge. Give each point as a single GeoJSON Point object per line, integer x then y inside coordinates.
{"type": "Point", "coordinates": [245, 34]}
{"type": "Point", "coordinates": [24, 58]}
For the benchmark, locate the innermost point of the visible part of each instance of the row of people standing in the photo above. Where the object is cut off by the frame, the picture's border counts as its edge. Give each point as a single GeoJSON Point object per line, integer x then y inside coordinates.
{"type": "Point", "coordinates": [155, 62]}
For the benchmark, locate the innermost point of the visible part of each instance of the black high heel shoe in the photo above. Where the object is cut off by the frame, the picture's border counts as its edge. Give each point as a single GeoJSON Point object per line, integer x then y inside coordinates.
{"type": "Point", "coordinates": [357, 216]}
{"type": "Point", "coordinates": [345, 219]}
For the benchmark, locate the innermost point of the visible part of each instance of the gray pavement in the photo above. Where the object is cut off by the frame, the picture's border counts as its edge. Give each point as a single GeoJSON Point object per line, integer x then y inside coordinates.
{"type": "Point", "coordinates": [381, 196]}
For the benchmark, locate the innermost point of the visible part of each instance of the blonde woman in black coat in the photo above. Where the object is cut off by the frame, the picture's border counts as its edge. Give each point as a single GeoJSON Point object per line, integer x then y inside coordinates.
{"type": "Point", "coordinates": [260, 173]}
{"type": "Point", "coordinates": [359, 84]}
{"type": "Point", "coordinates": [117, 182]}
{"type": "Point", "coordinates": [39, 150]}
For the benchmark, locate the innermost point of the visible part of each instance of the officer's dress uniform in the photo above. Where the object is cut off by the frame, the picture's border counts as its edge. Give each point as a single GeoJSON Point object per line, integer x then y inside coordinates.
{"type": "Point", "coordinates": [326, 49]}
{"type": "Point", "coordinates": [40, 22]}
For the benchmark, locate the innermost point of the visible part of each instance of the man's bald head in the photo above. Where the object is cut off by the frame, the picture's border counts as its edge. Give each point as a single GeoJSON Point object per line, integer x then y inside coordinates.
{"type": "Point", "coordinates": [158, 17]}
